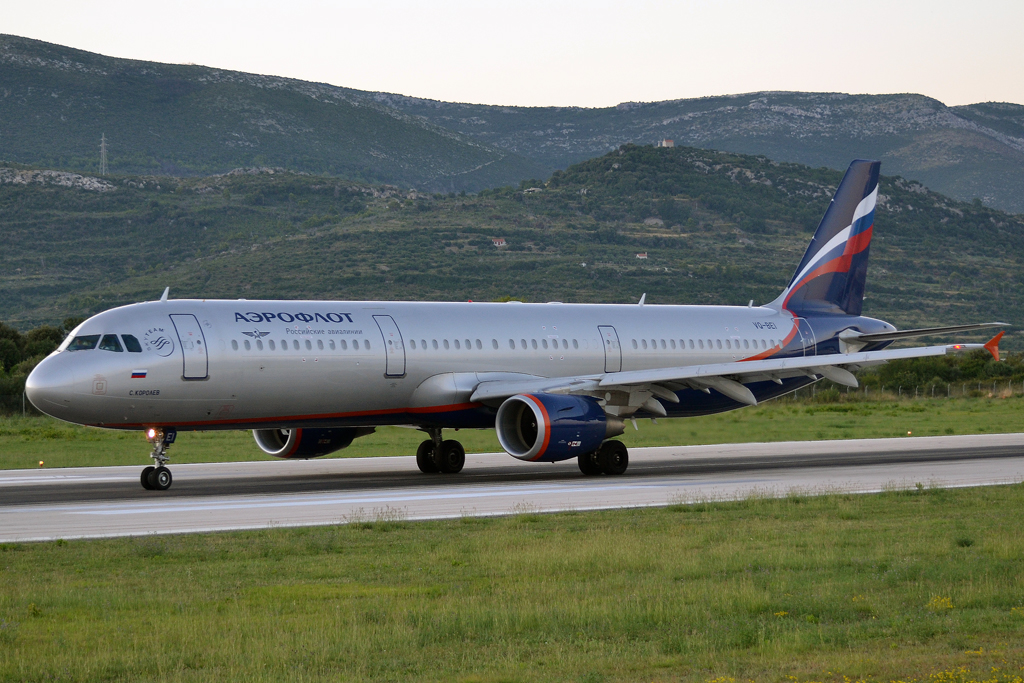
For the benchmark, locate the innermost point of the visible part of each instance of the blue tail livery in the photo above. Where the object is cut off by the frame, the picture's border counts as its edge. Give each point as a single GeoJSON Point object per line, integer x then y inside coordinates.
{"type": "Point", "coordinates": [833, 272]}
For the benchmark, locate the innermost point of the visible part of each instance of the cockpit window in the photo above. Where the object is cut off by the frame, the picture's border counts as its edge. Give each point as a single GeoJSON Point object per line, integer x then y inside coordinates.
{"type": "Point", "coordinates": [110, 343]}
{"type": "Point", "coordinates": [131, 343]}
{"type": "Point", "coordinates": [84, 342]}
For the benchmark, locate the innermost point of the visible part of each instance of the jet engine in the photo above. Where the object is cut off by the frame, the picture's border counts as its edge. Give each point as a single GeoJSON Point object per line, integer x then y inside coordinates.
{"type": "Point", "coordinates": [552, 427]}
{"type": "Point", "coordinates": [306, 443]}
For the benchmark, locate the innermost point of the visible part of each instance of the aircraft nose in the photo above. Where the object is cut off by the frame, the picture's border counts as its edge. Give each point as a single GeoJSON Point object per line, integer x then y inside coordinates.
{"type": "Point", "coordinates": [50, 386]}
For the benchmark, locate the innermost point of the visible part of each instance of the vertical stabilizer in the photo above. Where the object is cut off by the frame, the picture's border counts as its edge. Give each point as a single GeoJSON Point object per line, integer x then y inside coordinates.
{"type": "Point", "coordinates": [833, 272]}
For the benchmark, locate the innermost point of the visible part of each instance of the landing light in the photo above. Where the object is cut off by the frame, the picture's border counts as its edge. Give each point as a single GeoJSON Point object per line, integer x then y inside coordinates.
{"type": "Point", "coordinates": [151, 434]}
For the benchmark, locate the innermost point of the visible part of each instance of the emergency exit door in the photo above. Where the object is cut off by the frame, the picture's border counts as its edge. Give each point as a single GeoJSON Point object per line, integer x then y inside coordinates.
{"type": "Point", "coordinates": [612, 350]}
{"type": "Point", "coordinates": [192, 342]}
{"type": "Point", "coordinates": [394, 347]}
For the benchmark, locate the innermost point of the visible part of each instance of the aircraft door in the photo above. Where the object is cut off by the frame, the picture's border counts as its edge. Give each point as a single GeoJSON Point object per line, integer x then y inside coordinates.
{"type": "Point", "coordinates": [806, 337]}
{"type": "Point", "coordinates": [394, 347]}
{"type": "Point", "coordinates": [194, 358]}
{"type": "Point", "coordinates": [612, 350]}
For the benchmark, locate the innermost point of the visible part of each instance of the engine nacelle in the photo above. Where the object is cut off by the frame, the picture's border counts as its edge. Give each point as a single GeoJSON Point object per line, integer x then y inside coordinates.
{"type": "Point", "coordinates": [306, 443]}
{"type": "Point", "coordinates": [552, 427]}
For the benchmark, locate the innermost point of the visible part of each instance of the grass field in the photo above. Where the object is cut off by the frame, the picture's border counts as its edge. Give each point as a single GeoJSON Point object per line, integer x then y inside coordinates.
{"type": "Point", "coordinates": [26, 441]}
{"type": "Point", "coordinates": [921, 585]}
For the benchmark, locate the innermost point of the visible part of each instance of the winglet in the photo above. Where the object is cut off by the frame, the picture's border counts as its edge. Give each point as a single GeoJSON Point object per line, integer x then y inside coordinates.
{"type": "Point", "coordinates": [992, 346]}
{"type": "Point", "coordinates": [163, 297]}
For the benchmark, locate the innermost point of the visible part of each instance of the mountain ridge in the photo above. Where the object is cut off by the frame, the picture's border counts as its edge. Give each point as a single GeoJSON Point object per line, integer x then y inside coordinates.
{"type": "Point", "coordinates": [195, 120]}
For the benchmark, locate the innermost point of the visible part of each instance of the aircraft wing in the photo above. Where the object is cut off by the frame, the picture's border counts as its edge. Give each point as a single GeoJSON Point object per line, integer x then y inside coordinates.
{"type": "Point", "coordinates": [726, 378]}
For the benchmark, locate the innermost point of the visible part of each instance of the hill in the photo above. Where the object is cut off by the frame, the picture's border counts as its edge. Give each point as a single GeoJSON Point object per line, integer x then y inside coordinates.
{"type": "Point", "coordinates": [964, 152]}
{"type": "Point", "coordinates": [56, 102]}
{"type": "Point", "coordinates": [716, 228]}
{"type": "Point", "coordinates": [186, 120]}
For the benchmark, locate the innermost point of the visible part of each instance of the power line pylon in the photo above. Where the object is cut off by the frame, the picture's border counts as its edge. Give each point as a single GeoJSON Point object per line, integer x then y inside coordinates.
{"type": "Point", "coordinates": [103, 154]}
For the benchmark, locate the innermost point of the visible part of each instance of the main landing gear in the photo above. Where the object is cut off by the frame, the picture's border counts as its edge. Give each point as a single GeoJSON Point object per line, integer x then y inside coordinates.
{"type": "Point", "coordinates": [611, 458]}
{"type": "Point", "coordinates": [435, 455]}
{"type": "Point", "coordinates": [158, 478]}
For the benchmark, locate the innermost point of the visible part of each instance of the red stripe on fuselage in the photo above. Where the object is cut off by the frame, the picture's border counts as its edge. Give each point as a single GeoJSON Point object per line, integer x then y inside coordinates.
{"type": "Point", "coordinates": [324, 416]}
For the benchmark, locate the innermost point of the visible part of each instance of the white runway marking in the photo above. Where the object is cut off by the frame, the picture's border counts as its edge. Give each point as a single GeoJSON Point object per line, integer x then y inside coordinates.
{"type": "Point", "coordinates": [107, 502]}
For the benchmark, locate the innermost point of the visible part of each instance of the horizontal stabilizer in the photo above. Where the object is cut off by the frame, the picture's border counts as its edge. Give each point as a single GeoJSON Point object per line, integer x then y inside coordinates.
{"type": "Point", "coordinates": [851, 336]}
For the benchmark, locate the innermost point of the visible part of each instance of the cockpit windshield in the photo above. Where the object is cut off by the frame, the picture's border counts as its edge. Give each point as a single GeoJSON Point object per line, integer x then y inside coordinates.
{"type": "Point", "coordinates": [110, 343]}
{"type": "Point", "coordinates": [84, 342]}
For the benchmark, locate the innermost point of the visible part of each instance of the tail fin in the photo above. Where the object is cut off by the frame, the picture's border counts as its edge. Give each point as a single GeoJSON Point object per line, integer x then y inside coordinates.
{"type": "Point", "coordinates": [832, 275]}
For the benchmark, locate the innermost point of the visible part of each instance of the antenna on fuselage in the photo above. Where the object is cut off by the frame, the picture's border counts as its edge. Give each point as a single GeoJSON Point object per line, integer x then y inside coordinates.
{"type": "Point", "coordinates": [643, 298]}
{"type": "Point", "coordinates": [163, 297]}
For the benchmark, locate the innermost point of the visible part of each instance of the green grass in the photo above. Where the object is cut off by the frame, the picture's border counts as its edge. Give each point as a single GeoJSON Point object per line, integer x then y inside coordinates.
{"type": "Point", "coordinates": [921, 585]}
{"type": "Point", "coordinates": [26, 441]}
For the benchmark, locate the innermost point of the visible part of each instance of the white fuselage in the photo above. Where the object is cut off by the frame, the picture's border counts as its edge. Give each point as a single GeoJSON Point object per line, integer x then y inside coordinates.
{"type": "Point", "coordinates": [241, 364]}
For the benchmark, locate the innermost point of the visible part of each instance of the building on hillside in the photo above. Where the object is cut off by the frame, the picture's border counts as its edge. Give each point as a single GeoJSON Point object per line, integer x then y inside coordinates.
{"type": "Point", "coordinates": [665, 143]}
{"type": "Point", "coordinates": [642, 254]}
{"type": "Point", "coordinates": [499, 242]}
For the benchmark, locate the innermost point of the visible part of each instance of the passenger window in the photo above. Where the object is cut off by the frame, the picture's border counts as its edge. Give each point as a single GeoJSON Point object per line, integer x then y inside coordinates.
{"type": "Point", "coordinates": [691, 343]}
{"type": "Point", "coordinates": [110, 343]}
{"type": "Point", "coordinates": [295, 344]}
{"type": "Point", "coordinates": [468, 345]}
{"type": "Point", "coordinates": [309, 345]}
{"type": "Point", "coordinates": [565, 344]}
{"type": "Point", "coordinates": [662, 343]}
{"type": "Point", "coordinates": [330, 342]}
{"type": "Point", "coordinates": [259, 345]}
{"type": "Point", "coordinates": [343, 344]}
{"type": "Point", "coordinates": [131, 344]}
{"type": "Point", "coordinates": [575, 344]}
{"type": "Point", "coordinates": [423, 344]}
{"type": "Point", "coordinates": [643, 342]}
{"type": "Point", "coordinates": [544, 343]}
{"type": "Point", "coordinates": [457, 344]}
{"type": "Point", "coordinates": [512, 344]}
{"type": "Point", "coordinates": [534, 344]}
{"type": "Point", "coordinates": [719, 343]}
{"type": "Point", "coordinates": [320, 344]}
{"type": "Point", "coordinates": [446, 347]}
{"type": "Point", "coordinates": [746, 344]}
{"type": "Point", "coordinates": [435, 344]}
{"type": "Point", "coordinates": [247, 346]}
{"type": "Point", "coordinates": [634, 343]}
{"type": "Point", "coordinates": [272, 347]}
{"type": "Point", "coordinates": [412, 343]}
{"type": "Point", "coordinates": [728, 344]}
{"type": "Point", "coordinates": [701, 342]}
{"type": "Point", "coordinates": [494, 343]}
{"type": "Point", "coordinates": [234, 345]}
{"type": "Point", "coordinates": [84, 343]}
{"type": "Point", "coordinates": [673, 343]}
{"type": "Point", "coordinates": [480, 346]}
{"type": "Point", "coordinates": [522, 343]}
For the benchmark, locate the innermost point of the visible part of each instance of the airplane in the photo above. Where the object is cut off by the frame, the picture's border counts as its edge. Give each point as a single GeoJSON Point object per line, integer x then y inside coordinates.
{"type": "Point", "coordinates": [555, 380]}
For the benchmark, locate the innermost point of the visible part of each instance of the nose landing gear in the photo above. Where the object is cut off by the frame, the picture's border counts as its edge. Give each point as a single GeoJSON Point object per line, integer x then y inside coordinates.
{"type": "Point", "coordinates": [158, 478]}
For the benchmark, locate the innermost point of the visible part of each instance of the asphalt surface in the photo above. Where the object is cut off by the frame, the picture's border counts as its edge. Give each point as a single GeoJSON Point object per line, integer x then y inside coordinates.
{"type": "Point", "coordinates": [109, 501]}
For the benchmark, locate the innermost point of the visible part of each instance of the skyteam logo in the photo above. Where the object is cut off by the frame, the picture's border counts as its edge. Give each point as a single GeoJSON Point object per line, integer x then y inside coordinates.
{"type": "Point", "coordinates": [159, 341]}
{"type": "Point", "coordinates": [285, 317]}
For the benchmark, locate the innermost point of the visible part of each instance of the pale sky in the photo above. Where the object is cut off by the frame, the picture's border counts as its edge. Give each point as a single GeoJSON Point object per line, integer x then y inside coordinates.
{"type": "Point", "coordinates": [561, 52]}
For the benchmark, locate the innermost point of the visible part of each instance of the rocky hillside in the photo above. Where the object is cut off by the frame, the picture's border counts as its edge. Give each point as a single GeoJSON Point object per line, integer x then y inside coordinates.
{"type": "Point", "coordinates": [56, 102]}
{"type": "Point", "coordinates": [715, 228]}
{"type": "Point", "coordinates": [183, 120]}
{"type": "Point", "coordinates": [964, 152]}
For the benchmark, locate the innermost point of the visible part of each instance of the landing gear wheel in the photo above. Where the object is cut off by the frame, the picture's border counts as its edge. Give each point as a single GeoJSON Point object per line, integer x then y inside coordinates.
{"type": "Point", "coordinates": [613, 457]}
{"type": "Point", "coordinates": [160, 479]}
{"type": "Point", "coordinates": [145, 477]}
{"type": "Point", "coordinates": [425, 458]}
{"type": "Point", "coordinates": [590, 465]}
{"type": "Point", "coordinates": [451, 458]}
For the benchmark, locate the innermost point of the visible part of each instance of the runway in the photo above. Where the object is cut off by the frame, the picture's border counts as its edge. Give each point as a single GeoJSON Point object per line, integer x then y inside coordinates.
{"type": "Point", "coordinates": [96, 502]}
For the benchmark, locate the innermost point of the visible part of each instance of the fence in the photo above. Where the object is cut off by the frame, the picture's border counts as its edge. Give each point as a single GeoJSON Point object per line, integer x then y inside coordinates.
{"type": "Point", "coordinates": [931, 390]}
